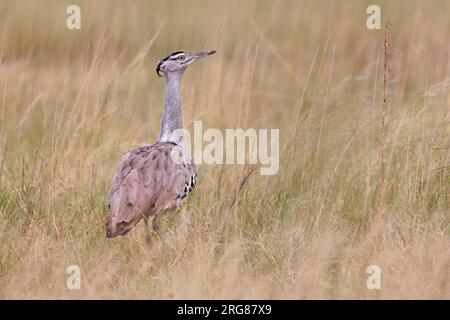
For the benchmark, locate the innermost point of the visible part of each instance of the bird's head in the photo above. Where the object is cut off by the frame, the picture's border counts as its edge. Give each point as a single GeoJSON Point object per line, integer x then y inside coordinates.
{"type": "Point", "coordinates": [178, 61]}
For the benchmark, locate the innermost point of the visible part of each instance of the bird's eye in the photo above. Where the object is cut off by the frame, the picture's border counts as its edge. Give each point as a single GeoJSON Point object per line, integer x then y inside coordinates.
{"type": "Point", "coordinates": [181, 58]}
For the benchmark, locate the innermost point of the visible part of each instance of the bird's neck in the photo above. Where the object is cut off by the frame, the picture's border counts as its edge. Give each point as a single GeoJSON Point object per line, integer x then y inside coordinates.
{"type": "Point", "coordinates": [172, 120]}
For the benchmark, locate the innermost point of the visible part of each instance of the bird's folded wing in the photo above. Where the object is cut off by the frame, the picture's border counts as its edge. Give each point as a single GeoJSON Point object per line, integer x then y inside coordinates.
{"type": "Point", "coordinates": [155, 177]}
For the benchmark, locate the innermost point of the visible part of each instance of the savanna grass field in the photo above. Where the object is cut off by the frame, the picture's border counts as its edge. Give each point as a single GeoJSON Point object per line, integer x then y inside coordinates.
{"type": "Point", "coordinates": [73, 102]}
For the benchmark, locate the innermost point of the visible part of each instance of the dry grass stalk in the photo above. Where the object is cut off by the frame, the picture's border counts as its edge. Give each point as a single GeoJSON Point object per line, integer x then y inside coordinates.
{"type": "Point", "coordinates": [386, 71]}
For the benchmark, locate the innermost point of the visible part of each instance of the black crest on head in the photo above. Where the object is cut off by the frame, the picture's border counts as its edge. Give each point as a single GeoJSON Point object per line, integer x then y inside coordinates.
{"type": "Point", "coordinates": [158, 67]}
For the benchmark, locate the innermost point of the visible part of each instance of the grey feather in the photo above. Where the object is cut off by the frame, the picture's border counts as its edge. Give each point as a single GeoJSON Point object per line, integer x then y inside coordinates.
{"type": "Point", "coordinates": [148, 181]}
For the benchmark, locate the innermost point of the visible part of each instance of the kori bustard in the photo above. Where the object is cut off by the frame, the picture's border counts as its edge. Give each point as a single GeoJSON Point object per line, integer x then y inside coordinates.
{"type": "Point", "coordinates": [154, 179]}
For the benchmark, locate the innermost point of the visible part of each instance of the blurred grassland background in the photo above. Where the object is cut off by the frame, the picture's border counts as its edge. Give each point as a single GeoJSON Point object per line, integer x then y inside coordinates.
{"type": "Point", "coordinates": [73, 102]}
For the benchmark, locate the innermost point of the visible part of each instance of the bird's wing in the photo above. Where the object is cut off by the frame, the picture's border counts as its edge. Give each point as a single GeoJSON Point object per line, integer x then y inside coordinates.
{"type": "Point", "coordinates": [151, 179]}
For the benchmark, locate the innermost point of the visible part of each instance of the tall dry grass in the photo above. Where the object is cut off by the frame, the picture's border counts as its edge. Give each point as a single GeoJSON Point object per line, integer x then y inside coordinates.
{"type": "Point", "coordinates": [73, 102]}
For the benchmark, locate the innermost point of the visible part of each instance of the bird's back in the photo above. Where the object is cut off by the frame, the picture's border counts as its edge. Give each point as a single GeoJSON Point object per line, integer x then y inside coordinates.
{"type": "Point", "coordinates": [149, 180]}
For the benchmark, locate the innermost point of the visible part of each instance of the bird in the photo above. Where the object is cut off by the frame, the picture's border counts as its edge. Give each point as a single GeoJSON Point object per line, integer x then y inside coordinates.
{"type": "Point", "coordinates": [155, 179]}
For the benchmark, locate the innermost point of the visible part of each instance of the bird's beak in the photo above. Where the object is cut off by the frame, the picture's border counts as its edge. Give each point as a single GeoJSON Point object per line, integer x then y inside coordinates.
{"type": "Point", "coordinates": [203, 54]}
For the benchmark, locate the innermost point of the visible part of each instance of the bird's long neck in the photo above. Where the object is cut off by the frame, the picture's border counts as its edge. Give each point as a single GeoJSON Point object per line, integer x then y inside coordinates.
{"type": "Point", "coordinates": [172, 120]}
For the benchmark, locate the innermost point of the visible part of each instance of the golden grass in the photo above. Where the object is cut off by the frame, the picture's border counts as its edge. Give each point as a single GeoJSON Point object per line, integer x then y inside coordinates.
{"type": "Point", "coordinates": [73, 102]}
